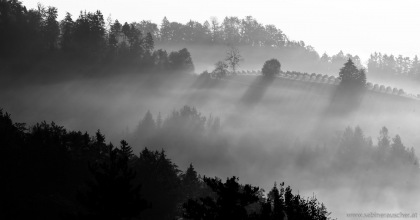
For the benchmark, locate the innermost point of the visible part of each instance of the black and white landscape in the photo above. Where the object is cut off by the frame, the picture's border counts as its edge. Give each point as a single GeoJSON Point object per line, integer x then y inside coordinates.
{"type": "Point", "coordinates": [216, 115]}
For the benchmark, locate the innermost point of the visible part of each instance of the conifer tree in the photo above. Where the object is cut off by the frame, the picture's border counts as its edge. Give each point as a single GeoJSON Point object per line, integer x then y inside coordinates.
{"type": "Point", "coordinates": [351, 77]}
{"type": "Point", "coordinates": [111, 193]}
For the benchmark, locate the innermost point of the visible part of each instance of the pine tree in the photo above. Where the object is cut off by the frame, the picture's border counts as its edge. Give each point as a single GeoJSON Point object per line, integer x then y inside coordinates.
{"type": "Point", "coordinates": [99, 146]}
{"type": "Point", "coordinates": [114, 33]}
{"type": "Point", "coordinates": [111, 194]}
{"type": "Point", "coordinates": [51, 28]}
{"type": "Point", "coordinates": [125, 29]}
{"type": "Point", "coordinates": [148, 123]}
{"type": "Point", "coordinates": [165, 30]}
{"type": "Point", "coordinates": [159, 121]}
{"type": "Point", "coordinates": [276, 198]}
{"type": "Point", "coordinates": [126, 150]}
{"type": "Point", "coordinates": [190, 183]}
{"type": "Point", "coordinates": [351, 77]}
{"type": "Point", "coordinates": [66, 38]}
{"type": "Point", "coordinates": [384, 140]}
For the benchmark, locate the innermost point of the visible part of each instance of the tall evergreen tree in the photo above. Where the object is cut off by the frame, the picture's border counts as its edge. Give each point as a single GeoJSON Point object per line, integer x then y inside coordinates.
{"type": "Point", "coordinates": [276, 198]}
{"type": "Point", "coordinates": [51, 28]}
{"type": "Point", "coordinates": [190, 183]}
{"type": "Point", "coordinates": [114, 34]}
{"type": "Point", "coordinates": [66, 37]}
{"type": "Point", "coordinates": [352, 77]}
{"type": "Point", "coordinates": [165, 30]}
{"type": "Point", "coordinates": [111, 194]}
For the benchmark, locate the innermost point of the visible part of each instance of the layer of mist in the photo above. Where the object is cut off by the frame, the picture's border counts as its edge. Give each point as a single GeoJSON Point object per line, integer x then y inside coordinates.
{"type": "Point", "coordinates": [350, 140]}
{"type": "Point", "coordinates": [268, 131]}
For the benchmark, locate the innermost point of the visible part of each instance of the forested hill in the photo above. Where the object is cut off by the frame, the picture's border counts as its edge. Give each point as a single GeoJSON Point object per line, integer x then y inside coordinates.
{"type": "Point", "coordinates": [260, 42]}
{"type": "Point", "coordinates": [36, 40]}
{"type": "Point", "coordinates": [52, 173]}
{"type": "Point", "coordinates": [34, 43]}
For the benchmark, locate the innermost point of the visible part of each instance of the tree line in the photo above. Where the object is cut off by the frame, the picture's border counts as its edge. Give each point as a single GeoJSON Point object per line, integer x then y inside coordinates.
{"type": "Point", "coordinates": [349, 152]}
{"type": "Point", "coordinates": [354, 154]}
{"type": "Point", "coordinates": [52, 173]}
{"type": "Point", "coordinates": [235, 32]}
{"type": "Point", "coordinates": [390, 66]}
{"type": "Point", "coordinates": [35, 37]}
{"type": "Point", "coordinates": [188, 120]}
{"type": "Point", "coordinates": [35, 40]}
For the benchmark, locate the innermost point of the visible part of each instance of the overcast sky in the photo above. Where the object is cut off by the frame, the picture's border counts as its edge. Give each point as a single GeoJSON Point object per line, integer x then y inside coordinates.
{"type": "Point", "coordinates": [354, 26]}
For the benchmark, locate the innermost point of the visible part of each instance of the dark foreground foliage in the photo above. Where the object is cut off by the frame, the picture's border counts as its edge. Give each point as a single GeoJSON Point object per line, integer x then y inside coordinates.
{"type": "Point", "coordinates": [231, 200]}
{"type": "Point", "coordinates": [52, 173]}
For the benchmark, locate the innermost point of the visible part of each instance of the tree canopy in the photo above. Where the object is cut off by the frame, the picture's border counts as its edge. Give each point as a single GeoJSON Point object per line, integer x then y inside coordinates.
{"type": "Point", "coordinates": [271, 68]}
{"type": "Point", "coordinates": [34, 39]}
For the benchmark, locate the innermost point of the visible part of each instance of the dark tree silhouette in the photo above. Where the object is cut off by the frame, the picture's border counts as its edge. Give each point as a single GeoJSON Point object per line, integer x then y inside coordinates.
{"type": "Point", "coordinates": [66, 37]}
{"type": "Point", "coordinates": [113, 37]}
{"type": "Point", "coordinates": [275, 201]}
{"type": "Point", "coordinates": [191, 183]}
{"type": "Point", "coordinates": [229, 202]}
{"type": "Point", "coordinates": [55, 162]}
{"type": "Point", "coordinates": [349, 93]}
{"type": "Point", "coordinates": [35, 40]}
{"type": "Point", "coordinates": [51, 28]}
{"type": "Point", "coordinates": [29, 35]}
{"type": "Point", "coordinates": [352, 77]}
{"type": "Point", "coordinates": [89, 35]}
{"type": "Point", "coordinates": [271, 68]}
{"type": "Point", "coordinates": [181, 61]}
{"type": "Point", "coordinates": [161, 185]}
{"type": "Point", "coordinates": [111, 194]}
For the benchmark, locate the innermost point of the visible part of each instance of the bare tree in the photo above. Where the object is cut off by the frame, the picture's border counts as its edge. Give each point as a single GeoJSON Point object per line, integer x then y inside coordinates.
{"type": "Point", "coordinates": [233, 57]}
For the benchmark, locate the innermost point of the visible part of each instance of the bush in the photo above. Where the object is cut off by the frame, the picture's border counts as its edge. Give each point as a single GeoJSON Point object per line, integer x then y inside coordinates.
{"type": "Point", "coordinates": [271, 67]}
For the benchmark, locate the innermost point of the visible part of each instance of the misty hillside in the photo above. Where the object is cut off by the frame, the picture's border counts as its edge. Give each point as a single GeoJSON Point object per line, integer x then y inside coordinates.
{"type": "Point", "coordinates": [105, 119]}
{"type": "Point", "coordinates": [207, 42]}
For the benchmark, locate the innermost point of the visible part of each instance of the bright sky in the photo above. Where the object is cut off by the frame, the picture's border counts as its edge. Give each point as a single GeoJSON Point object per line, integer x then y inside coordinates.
{"type": "Point", "coordinates": [354, 26]}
